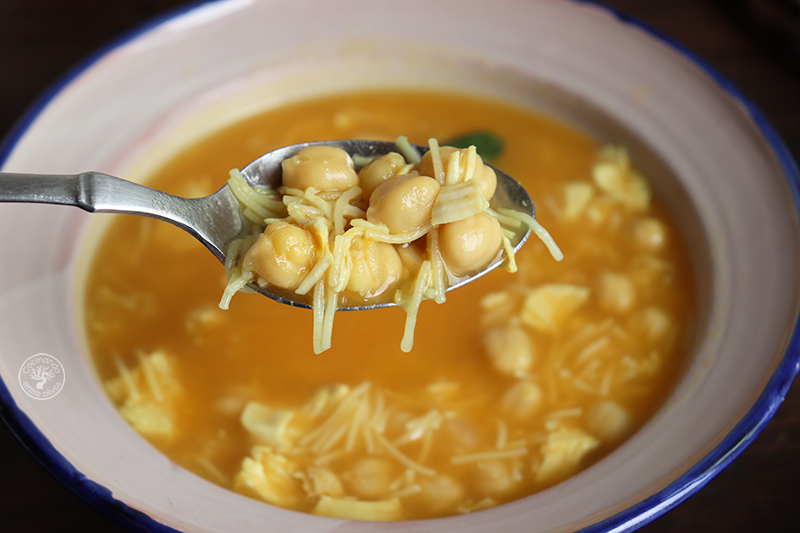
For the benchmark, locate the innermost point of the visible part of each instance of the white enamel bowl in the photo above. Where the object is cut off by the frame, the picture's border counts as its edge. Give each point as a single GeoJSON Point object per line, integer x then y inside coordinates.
{"type": "Point", "coordinates": [710, 155]}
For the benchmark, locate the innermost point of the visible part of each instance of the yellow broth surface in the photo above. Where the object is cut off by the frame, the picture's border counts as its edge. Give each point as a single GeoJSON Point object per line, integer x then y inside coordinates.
{"type": "Point", "coordinates": [469, 418]}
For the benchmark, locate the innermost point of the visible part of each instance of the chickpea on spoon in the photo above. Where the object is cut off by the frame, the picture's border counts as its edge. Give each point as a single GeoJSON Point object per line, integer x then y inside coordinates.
{"type": "Point", "coordinates": [332, 225]}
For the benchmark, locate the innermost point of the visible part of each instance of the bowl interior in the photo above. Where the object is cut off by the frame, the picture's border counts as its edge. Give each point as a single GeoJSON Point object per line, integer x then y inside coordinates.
{"type": "Point", "coordinates": [704, 151]}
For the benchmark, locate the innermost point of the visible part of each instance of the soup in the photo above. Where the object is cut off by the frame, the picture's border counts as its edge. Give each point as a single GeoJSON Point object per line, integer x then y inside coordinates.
{"type": "Point", "coordinates": [515, 383]}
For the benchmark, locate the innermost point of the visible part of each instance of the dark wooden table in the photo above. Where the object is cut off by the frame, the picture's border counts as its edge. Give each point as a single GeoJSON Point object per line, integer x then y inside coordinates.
{"type": "Point", "coordinates": [754, 43]}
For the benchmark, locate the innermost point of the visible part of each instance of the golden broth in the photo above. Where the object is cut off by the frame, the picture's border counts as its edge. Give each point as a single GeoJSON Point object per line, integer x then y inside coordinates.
{"type": "Point", "coordinates": [154, 289]}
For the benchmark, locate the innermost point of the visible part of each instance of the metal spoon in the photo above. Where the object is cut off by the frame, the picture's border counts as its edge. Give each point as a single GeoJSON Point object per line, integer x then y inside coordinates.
{"type": "Point", "coordinates": [216, 220]}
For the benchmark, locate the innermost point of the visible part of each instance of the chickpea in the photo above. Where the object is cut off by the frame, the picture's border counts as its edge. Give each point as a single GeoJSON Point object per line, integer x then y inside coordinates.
{"type": "Point", "coordinates": [650, 234]}
{"type": "Point", "coordinates": [616, 292]}
{"type": "Point", "coordinates": [379, 170]}
{"type": "Point", "coordinates": [321, 167]}
{"type": "Point", "coordinates": [439, 493]}
{"type": "Point", "coordinates": [376, 265]}
{"type": "Point", "coordinates": [496, 477]}
{"type": "Point", "coordinates": [487, 177]}
{"type": "Point", "coordinates": [463, 432]}
{"type": "Point", "coordinates": [469, 245]}
{"type": "Point", "coordinates": [510, 350]}
{"type": "Point", "coordinates": [609, 421]}
{"type": "Point", "coordinates": [483, 173]}
{"type": "Point", "coordinates": [523, 399]}
{"type": "Point", "coordinates": [404, 203]}
{"type": "Point", "coordinates": [425, 166]}
{"type": "Point", "coordinates": [282, 255]}
{"type": "Point", "coordinates": [370, 478]}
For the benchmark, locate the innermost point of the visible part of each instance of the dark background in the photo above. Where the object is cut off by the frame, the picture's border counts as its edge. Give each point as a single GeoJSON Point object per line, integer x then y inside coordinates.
{"type": "Point", "coordinates": [753, 43]}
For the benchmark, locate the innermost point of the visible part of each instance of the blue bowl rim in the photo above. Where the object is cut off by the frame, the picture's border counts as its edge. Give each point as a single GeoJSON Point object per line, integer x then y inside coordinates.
{"type": "Point", "coordinates": [630, 519]}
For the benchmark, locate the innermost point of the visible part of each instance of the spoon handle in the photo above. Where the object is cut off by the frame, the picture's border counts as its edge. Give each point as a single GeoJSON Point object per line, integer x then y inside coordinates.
{"type": "Point", "coordinates": [91, 191]}
{"type": "Point", "coordinates": [211, 219]}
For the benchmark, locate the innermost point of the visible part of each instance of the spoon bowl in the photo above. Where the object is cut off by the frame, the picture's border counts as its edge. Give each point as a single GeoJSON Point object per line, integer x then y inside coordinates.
{"type": "Point", "coordinates": [216, 220]}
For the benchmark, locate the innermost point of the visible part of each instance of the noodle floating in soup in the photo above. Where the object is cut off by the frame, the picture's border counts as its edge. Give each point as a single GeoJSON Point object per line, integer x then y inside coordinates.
{"type": "Point", "coordinates": [404, 224]}
{"type": "Point", "coordinates": [517, 383]}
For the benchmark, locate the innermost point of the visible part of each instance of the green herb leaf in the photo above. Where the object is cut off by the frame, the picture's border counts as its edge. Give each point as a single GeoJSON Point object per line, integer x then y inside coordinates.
{"type": "Point", "coordinates": [488, 145]}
